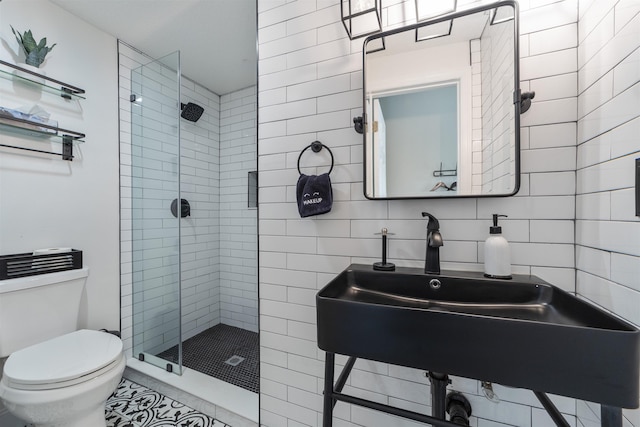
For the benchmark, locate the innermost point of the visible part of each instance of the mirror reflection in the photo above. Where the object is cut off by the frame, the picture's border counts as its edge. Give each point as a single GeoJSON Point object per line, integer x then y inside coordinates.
{"type": "Point", "coordinates": [440, 117]}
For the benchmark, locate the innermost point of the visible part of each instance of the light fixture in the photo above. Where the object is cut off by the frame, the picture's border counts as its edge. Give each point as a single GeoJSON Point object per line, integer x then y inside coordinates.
{"type": "Point", "coordinates": [375, 45]}
{"type": "Point", "coordinates": [426, 9]}
{"type": "Point", "coordinates": [361, 18]}
{"type": "Point", "coordinates": [433, 31]}
{"type": "Point", "coordinates": [501, 14]}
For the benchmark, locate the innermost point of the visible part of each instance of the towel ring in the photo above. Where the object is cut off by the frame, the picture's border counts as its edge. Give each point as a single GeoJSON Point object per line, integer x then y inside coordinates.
{"type": "Point", "coordinates": [315, 146]}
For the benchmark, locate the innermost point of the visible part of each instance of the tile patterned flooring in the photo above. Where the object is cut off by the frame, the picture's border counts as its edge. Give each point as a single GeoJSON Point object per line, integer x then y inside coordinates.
{"type": "Point", "coordinates": [133, 405]}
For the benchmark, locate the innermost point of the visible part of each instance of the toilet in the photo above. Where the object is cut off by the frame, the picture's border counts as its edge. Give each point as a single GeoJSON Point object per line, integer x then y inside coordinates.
{"type": "Point", "coordinates": [55, 374]}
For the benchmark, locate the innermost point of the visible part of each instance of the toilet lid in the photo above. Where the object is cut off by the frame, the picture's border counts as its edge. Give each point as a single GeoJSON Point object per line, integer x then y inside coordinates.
{"type": "Point", "coordinates": [63, 361]}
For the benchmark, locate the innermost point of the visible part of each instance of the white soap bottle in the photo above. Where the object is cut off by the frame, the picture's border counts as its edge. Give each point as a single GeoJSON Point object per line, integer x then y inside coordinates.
{"type": "Point", "coordinates": [497, 255]}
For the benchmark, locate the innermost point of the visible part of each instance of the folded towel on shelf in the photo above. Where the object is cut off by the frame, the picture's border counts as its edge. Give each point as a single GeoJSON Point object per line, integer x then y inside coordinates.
{"type": "Point", "coordinates": [33, 116]}
{"type": "Point", "coordinates": [314, 194]}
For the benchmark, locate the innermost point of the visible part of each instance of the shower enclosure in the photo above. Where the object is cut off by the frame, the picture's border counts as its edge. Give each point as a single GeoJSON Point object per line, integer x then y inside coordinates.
{"type": "Point", "coordinates": [194, 236]}
{"type": "Point", "coordinates": [155, 148]}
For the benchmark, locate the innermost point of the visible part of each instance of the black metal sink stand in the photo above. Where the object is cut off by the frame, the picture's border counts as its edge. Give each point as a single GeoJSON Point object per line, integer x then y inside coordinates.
{"type": "Point", "coordinates": [333, 394]}
{"type": "Point", "coordinates": [610, 416]}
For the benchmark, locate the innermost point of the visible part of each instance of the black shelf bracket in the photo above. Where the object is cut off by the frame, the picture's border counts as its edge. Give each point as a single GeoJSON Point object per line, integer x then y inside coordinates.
{"type": "Point", "coordinates": [67, 148]}
{"type": "Point", "coordinates": [65, 92]}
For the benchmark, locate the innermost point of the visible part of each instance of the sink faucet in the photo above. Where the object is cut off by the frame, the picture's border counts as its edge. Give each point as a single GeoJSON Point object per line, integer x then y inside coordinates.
{"type": "Point", "coordinates": [434, 241]}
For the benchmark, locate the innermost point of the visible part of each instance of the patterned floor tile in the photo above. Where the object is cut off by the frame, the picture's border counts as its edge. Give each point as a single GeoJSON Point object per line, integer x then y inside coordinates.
{"type": "Point", "coordinates": [133, 405]}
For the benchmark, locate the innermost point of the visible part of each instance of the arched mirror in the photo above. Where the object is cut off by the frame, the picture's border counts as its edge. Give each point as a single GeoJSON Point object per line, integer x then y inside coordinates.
{"type": "Point", "coordinates": [442, 107]}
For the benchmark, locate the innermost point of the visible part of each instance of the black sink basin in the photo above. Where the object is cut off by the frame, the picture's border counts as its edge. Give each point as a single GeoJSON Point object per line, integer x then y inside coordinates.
{"type": "Point", "coordinates": [523, 332]}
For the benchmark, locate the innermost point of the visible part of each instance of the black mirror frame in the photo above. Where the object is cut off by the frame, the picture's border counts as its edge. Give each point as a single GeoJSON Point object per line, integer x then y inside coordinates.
{"type": "Point", "coordinates": [361, 122]}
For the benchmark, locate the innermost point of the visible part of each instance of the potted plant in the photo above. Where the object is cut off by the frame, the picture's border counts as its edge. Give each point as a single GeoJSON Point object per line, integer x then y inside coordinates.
{"type": "Point", "coordinates": [35, 52]}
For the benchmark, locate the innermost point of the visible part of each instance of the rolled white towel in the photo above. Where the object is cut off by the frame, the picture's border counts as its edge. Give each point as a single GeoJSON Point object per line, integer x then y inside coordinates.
{"type": "Point", "coordinates": [51, 251]}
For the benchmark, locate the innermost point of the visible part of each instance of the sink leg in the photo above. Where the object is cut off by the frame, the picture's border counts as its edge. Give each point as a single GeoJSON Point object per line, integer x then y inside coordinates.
{"type": "Point", "coordinates": [439, 384]}
{"type": "Point", "coordinates": [551, 409]}
{"type": "Point", "coordinates": [327, 410]}
{"type": "Point", "coordinates": [610, 416]}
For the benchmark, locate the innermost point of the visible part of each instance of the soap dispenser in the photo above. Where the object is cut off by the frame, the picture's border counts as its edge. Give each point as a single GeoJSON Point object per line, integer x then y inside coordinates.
{"type": "Point", "coordinates": [497, 256]}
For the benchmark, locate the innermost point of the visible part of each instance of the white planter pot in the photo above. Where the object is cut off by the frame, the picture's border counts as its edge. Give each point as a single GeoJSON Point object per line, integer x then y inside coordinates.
{"type": "Point", "coordinates": [28, 76]}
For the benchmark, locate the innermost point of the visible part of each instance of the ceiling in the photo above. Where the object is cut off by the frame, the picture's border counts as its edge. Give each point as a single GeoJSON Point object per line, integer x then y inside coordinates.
{"type": "Point", "coordinates": [216, 38]}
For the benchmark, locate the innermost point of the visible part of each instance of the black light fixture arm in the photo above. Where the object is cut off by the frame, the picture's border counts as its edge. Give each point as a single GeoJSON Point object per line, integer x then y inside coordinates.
{"type": "Point", "coordinates": [524, 99]}
{"type": "Point", "coordinates": [358, 124]}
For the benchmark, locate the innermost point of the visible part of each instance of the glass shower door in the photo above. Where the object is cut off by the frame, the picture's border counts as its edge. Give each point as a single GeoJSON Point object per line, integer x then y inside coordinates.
{"type": "Point", "coordinates": [155, 172]}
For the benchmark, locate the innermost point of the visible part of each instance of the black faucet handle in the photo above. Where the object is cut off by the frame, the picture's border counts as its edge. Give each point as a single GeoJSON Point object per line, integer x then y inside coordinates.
{"type": "Point", "coordinates": [433, 224]}
{"type": "Point", "coordinates": [434, 239]}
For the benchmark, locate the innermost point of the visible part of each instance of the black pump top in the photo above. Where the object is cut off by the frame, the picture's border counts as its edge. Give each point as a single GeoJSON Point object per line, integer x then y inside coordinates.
{"type": "Point", "coordinates": [495, 229]}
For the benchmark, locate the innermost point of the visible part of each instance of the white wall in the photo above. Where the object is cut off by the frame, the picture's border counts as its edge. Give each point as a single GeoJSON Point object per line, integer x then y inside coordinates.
{"type": "Point", "coordinates": [238, 222]}
{"type": "Point", "coordinates": [607, 230]}
{"type": "Point", "coordinates": [45, 201]}
{"type": "Point", "coordinates": [419, 66]}
{"type": "Point", "coordinates": [310, 87]}
{"type": "Point", "coordinates": [199, 175]}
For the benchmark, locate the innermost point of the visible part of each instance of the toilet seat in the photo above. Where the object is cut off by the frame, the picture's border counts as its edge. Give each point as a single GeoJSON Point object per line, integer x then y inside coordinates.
{"type": "Point", "coordinates": [63, 361]}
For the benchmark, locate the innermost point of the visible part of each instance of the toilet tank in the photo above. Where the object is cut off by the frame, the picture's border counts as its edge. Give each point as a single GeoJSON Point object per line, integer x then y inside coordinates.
{"type": "Point", "coordinates": [36, 308]}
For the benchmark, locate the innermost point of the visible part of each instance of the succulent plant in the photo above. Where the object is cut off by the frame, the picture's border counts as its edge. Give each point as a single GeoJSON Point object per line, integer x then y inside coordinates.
{"type": "Point", "coordinates": [35, 52]}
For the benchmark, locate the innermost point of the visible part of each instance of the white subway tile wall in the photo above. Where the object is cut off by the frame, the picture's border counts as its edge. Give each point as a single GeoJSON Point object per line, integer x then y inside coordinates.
{"type": "Point", "coordinates": [607, 230]}
{"type": "Point", "coordinates": [238, 221]}
{"type": "Point", "coordinates": [476, 117]}
{"type": "Point", "coordinates": [310, 81]}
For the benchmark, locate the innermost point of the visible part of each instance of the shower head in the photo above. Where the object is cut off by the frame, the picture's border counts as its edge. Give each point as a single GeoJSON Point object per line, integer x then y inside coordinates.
{"type": "Point", "coordinates": [191, 111]}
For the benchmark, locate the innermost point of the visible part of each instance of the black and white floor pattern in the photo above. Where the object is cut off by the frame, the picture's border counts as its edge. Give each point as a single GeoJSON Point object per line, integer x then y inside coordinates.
{"type": "Point", "coordinates": [133, 405]}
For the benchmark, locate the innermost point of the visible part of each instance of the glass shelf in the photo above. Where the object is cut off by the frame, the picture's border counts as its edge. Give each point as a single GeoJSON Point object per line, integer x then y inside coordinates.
{"type": "Point", "coordinates": [35, 130]}
{"type": "Point", "coordinates": [25, 128]}
{"type": "Point", "coordinates": [51, 133]}
{"type": "Point", "coordinates": [46, 83]}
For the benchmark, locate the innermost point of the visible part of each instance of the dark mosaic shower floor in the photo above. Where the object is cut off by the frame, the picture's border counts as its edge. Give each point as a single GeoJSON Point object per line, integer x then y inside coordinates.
{"type": "Point", "coordinates": [207, 352]}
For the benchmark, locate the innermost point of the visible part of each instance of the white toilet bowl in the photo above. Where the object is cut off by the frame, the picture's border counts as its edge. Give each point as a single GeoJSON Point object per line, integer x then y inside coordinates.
{"type": "Point", "coordinates": [65, 381]}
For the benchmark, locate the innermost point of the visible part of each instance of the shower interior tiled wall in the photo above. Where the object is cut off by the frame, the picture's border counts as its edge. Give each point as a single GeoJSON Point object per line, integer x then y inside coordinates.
{"type": "Point", "coordinates": [495, 52]}
{"type": "Point", "coordinates": [238, 221]}
{"type": "Point", "coordinates": [218, 241]}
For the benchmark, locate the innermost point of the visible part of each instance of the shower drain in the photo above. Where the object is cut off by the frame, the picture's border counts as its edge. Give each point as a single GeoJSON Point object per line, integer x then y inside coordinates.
{"type": "Point", "coordinates": [234, 360]}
